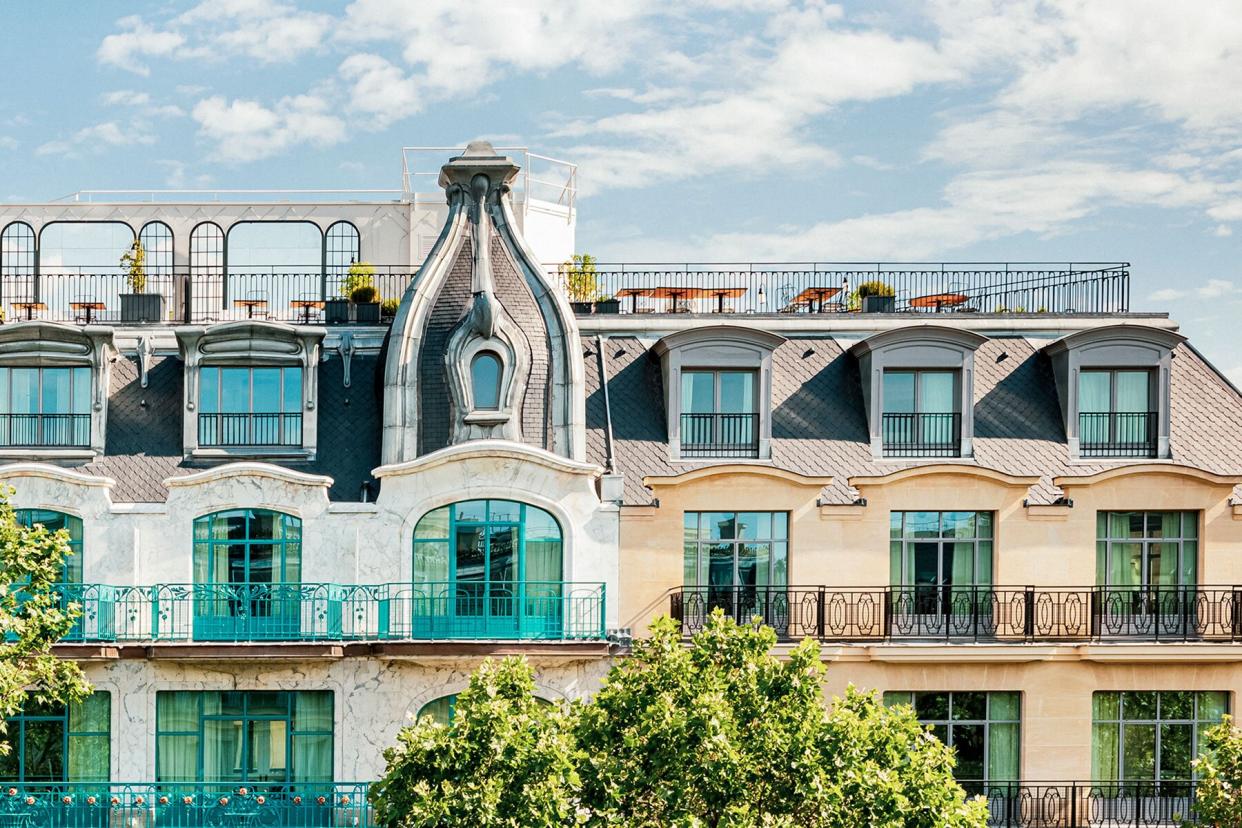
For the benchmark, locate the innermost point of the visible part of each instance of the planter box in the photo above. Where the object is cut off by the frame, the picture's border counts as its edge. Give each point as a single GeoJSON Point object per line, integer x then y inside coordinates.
{"type": "Point", "coordinates": [582, 307]}
{"type": "Point", "coordinates": [879, 304]}
{"type": "Point", "coordinates": [608, 306]}
{"type": "Point", "coordinates": [336, 311]}
{"type": "Point", "coordinates": [142, 307]}
{"type": "Point", "coordinates": [367, 313]}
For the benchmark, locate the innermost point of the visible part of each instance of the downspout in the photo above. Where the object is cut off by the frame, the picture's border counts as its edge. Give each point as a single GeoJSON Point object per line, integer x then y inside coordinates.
{"type": "Point", "coordinates": [609, 464]}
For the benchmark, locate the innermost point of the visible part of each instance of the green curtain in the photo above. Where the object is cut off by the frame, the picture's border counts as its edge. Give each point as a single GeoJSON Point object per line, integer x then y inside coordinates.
{"type": "Point", "coordinates": [1004, 735]}
{"type": "Point", "coordinates": [176, 728]}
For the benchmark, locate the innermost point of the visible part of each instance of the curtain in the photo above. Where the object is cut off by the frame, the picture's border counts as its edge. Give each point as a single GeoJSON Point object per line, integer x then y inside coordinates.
{"type": "Point", "coordinates": [1105, 750]}
{"type": "Point", "coordinates": [90, 724]}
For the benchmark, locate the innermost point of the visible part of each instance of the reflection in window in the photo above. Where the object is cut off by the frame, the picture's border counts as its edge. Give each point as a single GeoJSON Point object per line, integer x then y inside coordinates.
{"type": "Point", "coordinates": [275, 247]}
{"type": "Point", "coordinates": [45, 407]}
{"type": "Point", "coordinates": [261, 736]}
{"type": "Point", "coordinates": [1116, 413]}
{"type": "Point", "coordinates": [1145, 735]}
{"type": "Point", "coordinates": [719, 414]}
{"type": "Point", "coordinates": [247, 546]}
{"type": "Point", "coordinates": [982, 728]}
{"type": "Point", "coordinates": [60, 743]}
{"type": "Point", "coordinates": [929, 550]}
{"type": "Point", "coordinates": [920, 417]}
{"type": "Point", "coordinates": [1147, 549]}
{"type": "Point", "coordinates": [485, 381]}
{"type": "Point", "coordinates": [250, 406]}
{"type": "Point", "coordinates": [157, 244]}
{"type": "Point", "coordinates": [54, 522]}
{"type": "Point", "coordinates": [738, 562]}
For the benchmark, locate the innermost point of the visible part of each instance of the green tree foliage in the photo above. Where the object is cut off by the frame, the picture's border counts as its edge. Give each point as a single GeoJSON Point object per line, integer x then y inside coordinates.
{"type": "Point", "coordinates": [361, 280]}
{"type": "Point", "coordinates": [32, 619]}
{"type": "Point", "coordinates": [581, 278]}
{"type": "Point", "coordinates": [720, 733]}
{"type": "Point", "coordinates": [1218, 799]}
{"type": "Point", "coordinates": [134, 263]}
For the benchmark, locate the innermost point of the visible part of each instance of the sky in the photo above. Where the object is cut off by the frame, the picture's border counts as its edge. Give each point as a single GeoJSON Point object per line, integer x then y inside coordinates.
{"type": "Point", "coordinates": [704, 130]}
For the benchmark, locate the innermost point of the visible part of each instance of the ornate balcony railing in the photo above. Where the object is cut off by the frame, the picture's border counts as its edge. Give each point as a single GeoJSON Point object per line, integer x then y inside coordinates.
{"type": "Point", "coordinates": [974, 613]}
{"type": "Point", "coordinates": [1117, 434]}
{"type": "Point", "coordinates": [45, 430]}
{"type": "Point", "coordinates": [831, 287]}
{"type": "Point", "coordinates": [184, 804]}
{"type": "Point", "coordinates": [311, 612]}
{"type": "Point", "coordinates": [1134, 804]}
{"type": "Point", "coordinates": [720, 435]}
{"type": "Point", "coordinates": [921, 434]}
{"type": "Point", "coordinates": [230, 430]}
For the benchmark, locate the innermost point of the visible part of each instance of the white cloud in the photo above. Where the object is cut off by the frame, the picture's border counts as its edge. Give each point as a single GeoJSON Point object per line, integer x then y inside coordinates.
{"type": "Point", "coordinates": [1166, 295]}
{"type": "Point", "coordinates": [137, 40]}
{"type": "Point", "coordinates": [379, 89]}
{"type": "Point", "coordinates": [141, 101]}
{"type": "Point", "coordinates": [7, 142]}
{"type": "Point", "coordinates": [245, 130]}
{"type": "Point", "coordinates": [96, 138]}
{"type": "Point", "coordinates": [1216, 288]}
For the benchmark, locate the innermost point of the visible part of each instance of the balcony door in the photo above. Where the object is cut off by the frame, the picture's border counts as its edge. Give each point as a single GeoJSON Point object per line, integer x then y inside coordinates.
{"type": "Point", "coordinates": [719, 413]}
{"type": "Point", "coordinates": [247, 576]}
{"type": "Point", "coordinates": [921, 416]}
{"type": "Point", "coordinates": [1147, 567]}
{"type": "Point", "coordinates": [1116, 413]}
{"type": "Point", "coordinates": [941, 573]}
{"type": "Point", "coordinates": [738, 562]}
{"type": "Point", "coordinates": [45, 407]}
{"type": "Point", "coordinates": [243, 407]}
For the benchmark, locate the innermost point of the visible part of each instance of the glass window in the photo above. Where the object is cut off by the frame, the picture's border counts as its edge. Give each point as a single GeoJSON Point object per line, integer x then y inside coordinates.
{"type": "Point", "coordinates": [934, 549]}
{"type": "Point", "coordinates": [83, 247]}
{"type": "Point", "coordinates": [272, 737]}
{"type": "Point", "coordinates": [485, 372]}
{"type": "Point", "coordinates": [738, 562]}
{"type": "Point", "coordinates": [247, 546]}
{"type": "Point", "coordinates": [1116, 413]}
{"type": "Point", "coordinates": [719, 414]}
{"type": "Point", "coordinates": [341, 249]}
{"type": "Point", "coordinates": [258, 406]}
{"type": "Point", "coordinates": [60, 743]}
{"type": "Point", "coordinates": [157, 246]}
{"type": "Point", "coordinates": [920, 416]}
{"type": "Point", "coordinates": [1147, 549]}
{"type": "Point", "coordinates": [1148, 735]}
{"type": "Point", "coordinates": [48, 407]}
{"type": "Point", "coordinates": [207, 250]}
{"type": "Point", "coordinates": [982, 728]}
{"type": "Point", "coordinates": [53, 522]}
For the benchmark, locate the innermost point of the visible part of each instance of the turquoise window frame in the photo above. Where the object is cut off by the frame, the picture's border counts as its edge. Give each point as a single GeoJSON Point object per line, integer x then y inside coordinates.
{"type": "Point", "coordinates": [54, 520]}
{"type": "Point", "coordinates": [73, 741]}
{"type": "Point", "coordinates": [197, 737]}
{"type": "Point", "coordinates": [448, 704]}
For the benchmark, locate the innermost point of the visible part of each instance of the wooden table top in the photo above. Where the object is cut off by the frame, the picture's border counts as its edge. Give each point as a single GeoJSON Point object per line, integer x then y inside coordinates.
{"type": "Point", "coordinates": [697, 292]}
{"type": "Point", "coordinates": [817, 293]}
{"type": "Point", "coordinates": [939, 300]}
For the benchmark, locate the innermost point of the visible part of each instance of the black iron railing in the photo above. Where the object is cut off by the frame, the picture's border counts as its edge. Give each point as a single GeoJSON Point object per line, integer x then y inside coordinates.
{"type": "Point", "coordinates": [1117, 434]}
{"type": "Point", "coordinates": [719, 435]}
{"type": "Point", "coordinates": [237, 430]}
{"type": "Point", "coordinates": [45, 430]}
{"type": "Point", "coordinates": [1103, 804]}
{"type": "Point", "coordinates": [832, 287]}
{"type": "Point", "coordinates": [921, 434]}
{"type": "Point", "coordinates": [973, 613]}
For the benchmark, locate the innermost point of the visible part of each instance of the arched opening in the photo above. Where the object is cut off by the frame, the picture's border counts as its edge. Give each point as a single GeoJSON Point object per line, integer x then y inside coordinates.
{"type": "Point", "coordinates": [342, 247]}
{"type": "Point", "coordinates": [157, 244]}
{"type": "Point", "coordinates": [444, 709]}
{"type": "Point", "coordinates": [485, 373]}
{"type": "Point", "coordinates": [71, 567]}
{"type": "Point", "coordinates": [79, 264]}
{"type": "Point", "coordinates": [272, 264]}
{"type": "Point", "coordinates": [488, 569]}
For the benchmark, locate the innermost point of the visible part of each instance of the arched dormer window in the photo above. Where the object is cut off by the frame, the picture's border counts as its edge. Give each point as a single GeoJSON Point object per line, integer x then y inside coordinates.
{"type": "Point", "coordinates": [918, 389]}
{"type": "Point", "coordinates": [485, 371]}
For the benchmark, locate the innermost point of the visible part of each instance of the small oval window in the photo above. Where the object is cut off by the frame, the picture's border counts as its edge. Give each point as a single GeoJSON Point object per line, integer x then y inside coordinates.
{"type": "Point", "coordinates": [485, 380]}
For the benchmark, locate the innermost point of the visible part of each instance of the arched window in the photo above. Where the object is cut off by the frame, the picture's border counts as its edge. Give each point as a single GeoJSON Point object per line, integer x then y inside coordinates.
{"type": "Point", "coordinates": [485, 371]}
{"type": "Point", "coordinates": [341, 248]}
{"type": "Point", "coordinates": [71, 247]}
{"type": "Point", "coordinates": [55, 521]}
{"type": "Point", "coordinates": [17, 250]}
{"type": "Point", "coordinates": [487, 568]}
{"type": "Point", "coordinates": [207, 250]}
{"type": "Point", "coordinates": [157, 244]}
{"type": "Point", "coordinates": [444, 709]}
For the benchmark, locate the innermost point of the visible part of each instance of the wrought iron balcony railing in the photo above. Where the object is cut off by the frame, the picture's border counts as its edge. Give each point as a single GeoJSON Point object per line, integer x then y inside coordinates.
{"type": "Point", "coordinates": [1127, 804]}
{"type": "Point", "coordinates": [1117, 434]}
{"type": "Point", "coordinates": [921, 434]}
{"type": "Point", "coordinates": [720, 435]}
{"type": "Point", "coordinates": [183, 804]}
{"type": "Point", "coordinates": [313, 612]}
{"type": "Point", "coordinates": [45, 430]}
{"type": "Point", "coordinates": [974, 613]}
{"type": "Point", "coordinates": [235, 430]}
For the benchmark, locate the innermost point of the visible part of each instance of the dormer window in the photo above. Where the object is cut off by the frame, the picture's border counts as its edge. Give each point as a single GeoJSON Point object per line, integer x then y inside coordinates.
{"type": "Point", "coordinates": [45, 407]}
{"type": "Point", "coordinates": [485, 373]}
{"type": "Point", "coordinates": [917, 384]}
{"type": "Point", "coordinates": [250, 406]}
{"type": "Point", "coordinates": [718, 414]}
{"type": "Point", "coordinates": [718, 392]}
{"type": "Point", "coordinates": [1113, 386]}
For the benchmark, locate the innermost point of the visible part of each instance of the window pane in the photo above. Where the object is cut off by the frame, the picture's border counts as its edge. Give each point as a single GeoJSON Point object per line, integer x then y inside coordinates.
{"type": "Point", "coordinates": [1177, 705]}
{"type": "Point", "coordinates": [89, 759]}
{"type": "Point", "coordinates": [1094, 391]}
{"type": "Point", "coordinates": [754, 525]}
{"type": "Point", "coordinates": [25, 390]}
{"type": "Point", "coordinates": [931, 707]}
{"type": "Point", "coordinates": [899, 392]}
{"type": "Point", "coordinates": [176, 710]}
{"type": "Point", "coordinates": [719, 525]}
{"type": "Point", "coordinates": [1003, 752]}
{"type": "Point", "coordinates": [922, 524]}
{"type": "Point", "coordinates": [1175, 751]}
{"type": "Point", "coordinates": [690, 565]}
{"type": "Point", "coordinates": [209, 390]}
{"type": "Point", "coordinates": [936, 392]}
{"type": "Point", "coordinates": [958, 525]}
{"type": "Point", "coordinates": [434, 524]}
{"type": "Point", "coordinates": [92, 714]}
{"type": "Point", "coordinates": [780, 564]}
{"type": "Point", "coordinates": [1212, 706]}
{"type": "Point", "coordinates": [267, 385]}
{"type": "Point", "coordinates": [81, 391]}
{"type": "Point", "coordinates": [312, 758]}
{"type": "Point", "coordinates": [312, 711]}
{"type": "Point", "coordinates": [1138, 751]}
{"type": "Point", "coordinates": [737, 392]}
{"type": "Point", "coordinates": [177, 758]}
{"type": "Point", "coordinates": [235, 390]}
{"type": "Point", "coordinates": [44, 753]}
{"type": "Point", "coordinates": [1106, 706]}
{"type": "Point", "coordinates": [970, 706]}
{"type": "Point", "coordinates": [1003, 707]}
{"type": "Point", "coordinates": [1105, 751]}
{"type": "Point", "coordinates": [968, 744]}
{"type": "Point", "coordinates": [698, 392]}
{"type": "Point", "coordinates": [431, 561]}
{"type": "Point", "coordinates": [1140, 705]}
{"type": "Point", "coordinates": [485, 380]}
{"type": "Point", "coordinates": [1132, 392]}
{"type": "Point", "coordinates": [293, 390]}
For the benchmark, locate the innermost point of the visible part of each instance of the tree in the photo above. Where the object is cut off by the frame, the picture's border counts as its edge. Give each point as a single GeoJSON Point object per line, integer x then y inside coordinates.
{"type": "Point", "coordinates": [507, 760]}
{"type": "Point", "coordinates": [134, 263]}
{"type": "Point", "coordinates": [720, 733]}
{"type": "Point", "coordinates": [1218, 798]}
{"type": "Point", "coordinates": [33, 617]}
{"type": "Point", "coordinates": [581, 278]}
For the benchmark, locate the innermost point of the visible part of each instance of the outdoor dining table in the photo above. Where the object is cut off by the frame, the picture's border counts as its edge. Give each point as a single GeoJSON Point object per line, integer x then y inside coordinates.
{"type": "Point", "coordinates": [633, 293]}
{"type": "Point", "coordinates": [676, 294]}
{"type": "Point", "coordinates": [939, 300]}
{"type": "Point", "coordinates": [88, 307]}
{"type": "Point", "coordinates": [306, 306]}
{"type": "Point", "coordinates": [816, 295]}
{"type": "Point", "coordinates": [30, 308]}
{"type": "Point", "coordinates": [250, 305]}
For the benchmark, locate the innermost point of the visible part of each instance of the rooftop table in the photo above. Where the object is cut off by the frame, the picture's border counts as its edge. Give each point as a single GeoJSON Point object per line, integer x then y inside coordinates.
{"type": "Point", "coordinates": [813, 295]}
{"type": "Point", "coordinates": [939, 300]}
{"type": "Point", "coordinates": [674, 294]}
{"type": "Point", "coordinates": [633, 293]}
{"type": "Point", "coordinates": [88, 307]}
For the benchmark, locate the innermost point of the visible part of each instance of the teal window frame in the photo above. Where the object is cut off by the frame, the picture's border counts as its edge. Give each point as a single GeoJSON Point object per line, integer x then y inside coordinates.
{"type": "Point", "coordinates": [957, 716]}
{"type": "Point", "coordinates": [1123, 723]}
{"type": "Point", "coordinates": [444, 709]}
{"type": "Point", "coordinates": [195, 739]}
{"type": "Point", "coordinates": [286, 543]}
{"type": "Point", "coordinates": [53, 521]}
{"type": "Point", "coordinates": [80, 732]}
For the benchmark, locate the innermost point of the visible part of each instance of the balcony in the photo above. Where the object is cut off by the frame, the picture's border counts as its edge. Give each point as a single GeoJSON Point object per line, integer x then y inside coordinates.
{"type": "Point", "coordinates": [249, 430]}
{"type": "Point", "coordinates": [1087, 804]}
{"type": "Point", "coordinates": [184, 804]}
{"type": "Point", "coordinates": [1117, 434]}
{"type": "Point", "coordinates": [45, 430]}
{"type": "Point", "coordinates": [960, 614]}
{"type": "Point", "coordinates": [831, 287]}
{"type": "Point", "coordinates": [720, 435]}
{"type": "Point", "coordinates": [323, 612]}
{"type": "Point", "coordinates": [922, 434]}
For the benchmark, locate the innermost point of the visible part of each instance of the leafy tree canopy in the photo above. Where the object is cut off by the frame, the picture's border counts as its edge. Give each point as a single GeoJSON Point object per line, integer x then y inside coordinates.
{"type": "Point", "coordinates": [1218, 799]}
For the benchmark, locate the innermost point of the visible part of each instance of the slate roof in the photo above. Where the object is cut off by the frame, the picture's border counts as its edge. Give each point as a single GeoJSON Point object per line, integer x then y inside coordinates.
{"type": "Point", "coordinates": [819, 423]}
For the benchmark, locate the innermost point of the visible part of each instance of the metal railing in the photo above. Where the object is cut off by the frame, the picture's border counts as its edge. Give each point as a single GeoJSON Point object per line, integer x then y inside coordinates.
{"type": "Point", "coordinates": [1117, 434]}
{"type": "Point", "coordinates": [921, 434]}
{"type": "Point", "coordinates": [250, 429]}
{"type": "Point", "coordinates": [973, 613]}
{"type": "Point", "coordinates": [1102, 804]}
{"type": "Point", "coordinates": [832, 287]}
{"type": "Point", "coordinates": [542, 181]}
{"type": "Point", "coordinates": [719, 435]}
{"type": "Point", "coordinates": [184, 804]}
{"type": "Point", "coordinates": [45, 430]}
{"type": "Point", "coordinates": [205, 295]}
{"type": "Point", "coordinates": [310, 612]}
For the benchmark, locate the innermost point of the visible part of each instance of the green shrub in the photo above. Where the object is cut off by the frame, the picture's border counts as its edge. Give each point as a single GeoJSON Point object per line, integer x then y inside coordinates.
{"type": "Point", "coordinates": [875, 287]}
{"type": "Point", "coordinates": [361, 274]}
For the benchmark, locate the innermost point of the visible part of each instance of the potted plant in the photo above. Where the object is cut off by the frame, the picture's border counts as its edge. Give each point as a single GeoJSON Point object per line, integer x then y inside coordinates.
{"type": "Point", "coordinates": [138, 305]}
{"type": "Point", "coordinates": [365, 299]}
{"type": "Point", "coordinates": [581, 282]}
{"type": "Point", "coordinates": [877, 297]}
{"type": "Point", "coordinates": [610, 305]}
{"type": "Point", "coordinates": [388, 309]}
{"type": "Point", "coordinates": [337, 311]}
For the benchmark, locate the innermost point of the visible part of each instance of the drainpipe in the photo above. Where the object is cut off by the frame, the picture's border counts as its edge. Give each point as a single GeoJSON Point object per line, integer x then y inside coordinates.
{"type": "Point", "coordinates": [612, 484]}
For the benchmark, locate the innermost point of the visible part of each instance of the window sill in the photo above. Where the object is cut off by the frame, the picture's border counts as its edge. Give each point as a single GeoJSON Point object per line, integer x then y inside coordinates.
{"type": "Point", "coordinates": [252, 453]}
{"type": "Point", "coordinates": [488, 417]}
{"type": "Point", "coordinates": [45, 453]}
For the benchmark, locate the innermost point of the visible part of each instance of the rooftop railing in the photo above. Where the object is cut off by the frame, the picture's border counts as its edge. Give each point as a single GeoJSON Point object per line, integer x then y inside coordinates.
{"type": "Point", "coordinates": [323, 612]}
{"type": "Point", "coordinates": [1091, 804]}
{"type": "Point", "coordinates": [833, 287]}
{"type": "Point", "coordinates": [1000, 614]}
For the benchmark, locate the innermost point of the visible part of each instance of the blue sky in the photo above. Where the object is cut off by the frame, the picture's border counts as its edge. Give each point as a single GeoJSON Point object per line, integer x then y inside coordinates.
{"type": "Point", "coordinates": [740, 130]}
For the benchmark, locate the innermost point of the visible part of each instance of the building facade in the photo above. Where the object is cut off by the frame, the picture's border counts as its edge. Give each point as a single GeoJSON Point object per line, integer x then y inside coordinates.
{"type": "Point", "coordinates": [991, 492]}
